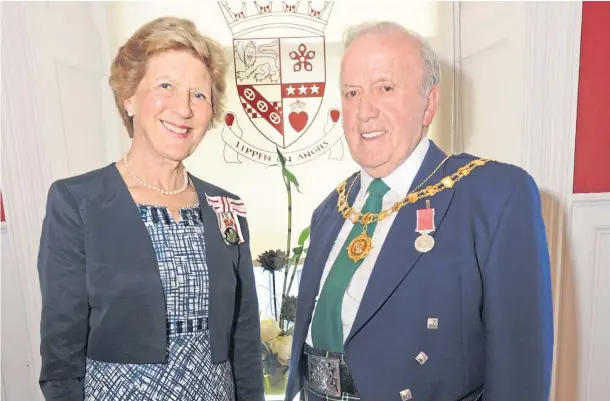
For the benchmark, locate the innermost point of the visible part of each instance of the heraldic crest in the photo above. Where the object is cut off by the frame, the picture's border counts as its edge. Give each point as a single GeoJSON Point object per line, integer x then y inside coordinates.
{"type": "Point", "coordinates": [279, 54]}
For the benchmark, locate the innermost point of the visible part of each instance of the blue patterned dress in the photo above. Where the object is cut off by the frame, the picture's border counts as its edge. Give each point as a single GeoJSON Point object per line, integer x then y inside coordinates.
{"type": "Point", "coordinates": [189, 374]}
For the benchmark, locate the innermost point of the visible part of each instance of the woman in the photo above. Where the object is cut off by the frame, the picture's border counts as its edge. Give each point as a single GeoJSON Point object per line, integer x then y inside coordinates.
{"type": "Point", "coordinates": [144, 298]}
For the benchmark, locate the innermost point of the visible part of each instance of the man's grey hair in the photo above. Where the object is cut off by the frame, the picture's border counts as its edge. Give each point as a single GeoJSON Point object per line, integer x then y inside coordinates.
{"type": "Point", "coordinates": [432, 75]}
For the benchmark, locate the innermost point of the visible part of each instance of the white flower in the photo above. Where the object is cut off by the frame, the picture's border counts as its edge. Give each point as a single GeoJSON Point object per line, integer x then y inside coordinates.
{"type": "Point", "coordinates": [270, 329]}
{"type": "Point", "coordinates": [282, 346]}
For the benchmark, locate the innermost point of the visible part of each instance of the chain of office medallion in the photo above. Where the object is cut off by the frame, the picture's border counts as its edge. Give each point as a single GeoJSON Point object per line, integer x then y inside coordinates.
{"type": "Point", "coordinates": [414, 189]}
{"type": "Point", "coordinates": [447, 182]}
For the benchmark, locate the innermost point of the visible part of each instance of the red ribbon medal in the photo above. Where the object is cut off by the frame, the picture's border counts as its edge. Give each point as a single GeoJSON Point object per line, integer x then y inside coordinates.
{"type": "Point", "coordinates": [425, 225]}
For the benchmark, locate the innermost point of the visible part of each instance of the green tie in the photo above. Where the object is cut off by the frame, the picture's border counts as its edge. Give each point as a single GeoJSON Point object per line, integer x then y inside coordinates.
{"type": "Point", "coordinates": [326, 327]}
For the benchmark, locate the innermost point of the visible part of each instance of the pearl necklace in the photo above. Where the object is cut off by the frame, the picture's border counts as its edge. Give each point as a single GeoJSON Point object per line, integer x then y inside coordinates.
{"type": "Point", "coordinates": [161, 190]}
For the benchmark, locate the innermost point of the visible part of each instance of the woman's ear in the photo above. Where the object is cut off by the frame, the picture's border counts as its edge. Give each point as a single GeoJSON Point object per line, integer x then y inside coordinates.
{"type": "Point", "coordinates": [128, 104]}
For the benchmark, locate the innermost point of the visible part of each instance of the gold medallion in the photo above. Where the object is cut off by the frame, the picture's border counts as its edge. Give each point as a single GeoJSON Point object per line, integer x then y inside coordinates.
{"type": "Point", "coordinates": [424, 243]}
{"type": "Point", "coordinates": [359, 247]}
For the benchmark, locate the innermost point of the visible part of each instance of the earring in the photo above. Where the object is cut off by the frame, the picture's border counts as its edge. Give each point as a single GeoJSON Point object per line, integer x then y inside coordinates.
{"type": "Point", "coordinates": [130, 114]}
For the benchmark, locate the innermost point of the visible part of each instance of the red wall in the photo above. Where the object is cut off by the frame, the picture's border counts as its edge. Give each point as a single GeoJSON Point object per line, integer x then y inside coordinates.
{"type": "Point", "coordinates": [592, 153]}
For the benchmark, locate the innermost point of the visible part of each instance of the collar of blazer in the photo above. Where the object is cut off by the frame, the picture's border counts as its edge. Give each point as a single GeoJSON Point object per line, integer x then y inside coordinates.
{"type": "Point", "coordinates": [398, 255]}
{"type": "Point", "coordinates": [217, 250]}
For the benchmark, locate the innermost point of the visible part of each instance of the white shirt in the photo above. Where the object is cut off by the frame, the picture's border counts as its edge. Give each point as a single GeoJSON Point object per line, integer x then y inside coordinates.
{"type": "Point", "coordinates": [399, 181]}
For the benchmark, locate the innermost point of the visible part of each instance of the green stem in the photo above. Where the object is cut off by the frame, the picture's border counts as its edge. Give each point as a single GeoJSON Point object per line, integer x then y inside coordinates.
{"type": "Point", "coordinates": [274, 297]}
{"type": "Point", "coordinates": [288, 241]}
{"type": "Point", "coordinates": [294, 271]}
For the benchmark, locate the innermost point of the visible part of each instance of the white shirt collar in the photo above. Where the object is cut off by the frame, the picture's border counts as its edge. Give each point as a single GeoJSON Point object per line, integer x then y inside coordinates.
{"type": "Point", "coordinates": [400, 180]}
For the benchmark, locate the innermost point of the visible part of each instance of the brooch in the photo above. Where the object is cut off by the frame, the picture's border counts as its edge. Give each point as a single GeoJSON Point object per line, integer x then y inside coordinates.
{"type": "Point", "coordinates": [227, 210]}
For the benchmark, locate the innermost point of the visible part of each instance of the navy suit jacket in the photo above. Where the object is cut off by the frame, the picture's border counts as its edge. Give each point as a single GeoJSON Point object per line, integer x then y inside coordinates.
{"type": "Point", "coordinates": [487, 281]}
{"type": "Point", "coordinates": [102, 296]}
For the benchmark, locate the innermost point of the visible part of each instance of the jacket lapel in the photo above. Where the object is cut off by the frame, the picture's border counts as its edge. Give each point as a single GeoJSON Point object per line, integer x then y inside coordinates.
{"type": "Point", "coordinates": [217, 251]}
{"type": "Point", "coordinates": [398, 255]}
{"type": "Point", "coordinates": [120, 210]}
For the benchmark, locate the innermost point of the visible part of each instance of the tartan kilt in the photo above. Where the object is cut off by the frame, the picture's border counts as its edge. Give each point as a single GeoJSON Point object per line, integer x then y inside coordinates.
{"type": "Point", "coordinates": [309, 394]}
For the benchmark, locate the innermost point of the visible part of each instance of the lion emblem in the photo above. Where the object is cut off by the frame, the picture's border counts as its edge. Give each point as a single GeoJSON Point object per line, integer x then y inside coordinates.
{"type": "Point", "coordinates": [257, 61]}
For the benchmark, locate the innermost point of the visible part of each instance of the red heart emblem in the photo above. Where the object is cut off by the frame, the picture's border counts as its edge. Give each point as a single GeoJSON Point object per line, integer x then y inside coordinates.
{"type": "Point", "coordinates": [334, 115]}
{"type": "Point", "coordinates": [229, 118]}
{"type": "Point", "coordinates": [298, 120]}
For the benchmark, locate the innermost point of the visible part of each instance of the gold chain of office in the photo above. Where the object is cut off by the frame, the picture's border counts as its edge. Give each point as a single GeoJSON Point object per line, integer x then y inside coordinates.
{"type": "Point", "coordinates": [368, 218]}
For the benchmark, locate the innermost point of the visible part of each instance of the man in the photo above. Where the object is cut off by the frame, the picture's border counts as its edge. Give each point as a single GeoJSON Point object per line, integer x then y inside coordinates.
{"type": "Point", "coordinates": [427, 277]}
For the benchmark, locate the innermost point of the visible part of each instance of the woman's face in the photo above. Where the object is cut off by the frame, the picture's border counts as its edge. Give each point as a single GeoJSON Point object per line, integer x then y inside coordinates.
{"type": "Point", "coordinates": [172, 105]}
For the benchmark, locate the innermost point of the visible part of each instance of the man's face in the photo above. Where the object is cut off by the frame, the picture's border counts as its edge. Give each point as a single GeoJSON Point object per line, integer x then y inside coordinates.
{"type": "Point", "coordinates": [384, 112]}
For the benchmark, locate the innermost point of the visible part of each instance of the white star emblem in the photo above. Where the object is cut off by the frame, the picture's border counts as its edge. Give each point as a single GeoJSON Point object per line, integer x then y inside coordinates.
{"type": "Point", "coordinates": [303, 90]}
{"type": "Point", "coordinates": [290, 90]}
{"type": "Point", "coordinates": [314, 88]}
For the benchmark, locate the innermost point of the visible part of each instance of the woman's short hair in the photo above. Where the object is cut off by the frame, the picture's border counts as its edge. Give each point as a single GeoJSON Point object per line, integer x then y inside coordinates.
{"type": "Point", "coordinates": [157, 36]}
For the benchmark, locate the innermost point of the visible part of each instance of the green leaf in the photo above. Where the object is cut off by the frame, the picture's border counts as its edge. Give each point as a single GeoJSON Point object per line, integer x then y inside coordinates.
{"type": "Point", "coordinates": [281, 157]}
{"type": "Point", "coordinates": [297, 251]}
{"type": "Point", "coordinates": [303, 236]}
{"type": "Point", "coordinates": [296, 255]}
{"type": "Point", "coordinates": [291, 178]}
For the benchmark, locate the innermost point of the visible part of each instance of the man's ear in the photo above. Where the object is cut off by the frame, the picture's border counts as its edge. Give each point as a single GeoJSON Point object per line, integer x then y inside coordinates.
{"type": "Point", "coordinates": [432, 106]}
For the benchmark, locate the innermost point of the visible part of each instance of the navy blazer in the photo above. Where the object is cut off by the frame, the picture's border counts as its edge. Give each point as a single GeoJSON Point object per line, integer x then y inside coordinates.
{"type": "Point", "coordinates": [102, 296]}
{"type": "Point", "coordinates": [487, 281]}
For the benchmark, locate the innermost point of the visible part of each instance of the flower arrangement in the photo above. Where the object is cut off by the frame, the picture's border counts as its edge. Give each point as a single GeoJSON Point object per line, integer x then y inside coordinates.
{"type": "Point", "coordinates": [277, 330]}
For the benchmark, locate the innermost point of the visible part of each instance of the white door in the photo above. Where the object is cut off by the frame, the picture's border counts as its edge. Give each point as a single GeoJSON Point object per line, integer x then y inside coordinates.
{"type": "Point", "coordinates": [491, 83]}
{"type": "Point", "coordinates": [584, 367]}
{"type": "Point", "coordinates": [518, 69]}
{"type": "Point", "coordinates": [54, 69]}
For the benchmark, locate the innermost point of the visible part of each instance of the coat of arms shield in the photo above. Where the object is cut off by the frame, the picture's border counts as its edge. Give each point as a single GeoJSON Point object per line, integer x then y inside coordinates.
{"type": "Point", "coordinates": [280, 71]}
